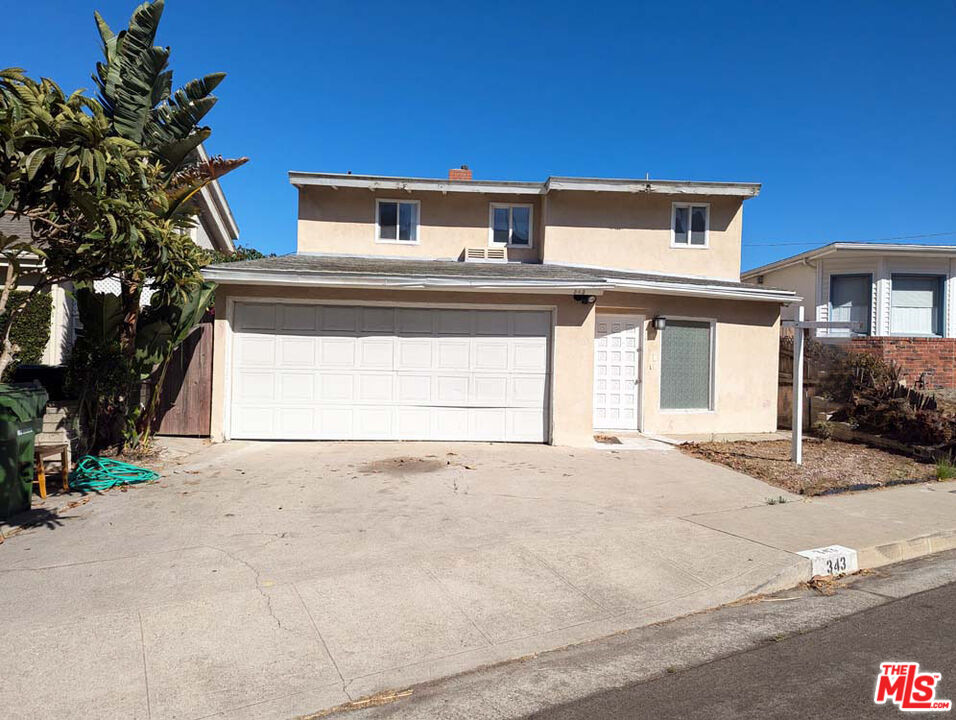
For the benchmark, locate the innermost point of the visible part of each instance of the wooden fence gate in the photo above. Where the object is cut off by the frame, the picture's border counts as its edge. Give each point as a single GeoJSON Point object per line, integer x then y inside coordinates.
{"type": "Point", "coordinates": [186, 400]}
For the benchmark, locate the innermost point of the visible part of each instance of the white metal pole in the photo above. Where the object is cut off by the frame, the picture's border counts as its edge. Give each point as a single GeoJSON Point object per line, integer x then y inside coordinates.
{"type": "Point", "coordinates": [796, 453]}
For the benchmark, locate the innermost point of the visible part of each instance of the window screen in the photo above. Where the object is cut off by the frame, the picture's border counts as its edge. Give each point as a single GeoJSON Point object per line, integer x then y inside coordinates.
{"type": "Point", "coordinates": [850, 302]}
{"type": "Point", "coordinates": [916, 305]}
{"type": "Point", "coordinates": [686, 365]}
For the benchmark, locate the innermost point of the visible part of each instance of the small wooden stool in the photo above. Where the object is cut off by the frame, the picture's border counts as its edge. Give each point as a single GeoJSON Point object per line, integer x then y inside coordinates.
{"type": "Point", "coordinates": [45, 450]}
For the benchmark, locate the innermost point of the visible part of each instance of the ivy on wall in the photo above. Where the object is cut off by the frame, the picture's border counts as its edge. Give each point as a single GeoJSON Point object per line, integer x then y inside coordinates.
{"type": "Point", "coordinates": [31, 332]}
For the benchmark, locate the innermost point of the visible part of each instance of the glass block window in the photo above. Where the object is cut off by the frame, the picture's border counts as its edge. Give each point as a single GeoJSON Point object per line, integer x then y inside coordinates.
{"type": "Point", "coordinates": [686, 365]}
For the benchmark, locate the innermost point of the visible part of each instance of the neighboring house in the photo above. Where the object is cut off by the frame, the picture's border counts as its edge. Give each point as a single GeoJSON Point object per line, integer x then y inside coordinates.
{"type": "Point", "coordinates": [216, 229]}
{"type": "Point", "coordinates": [458, 309]}
{"type": "Point", "coordinates": [901, 296]}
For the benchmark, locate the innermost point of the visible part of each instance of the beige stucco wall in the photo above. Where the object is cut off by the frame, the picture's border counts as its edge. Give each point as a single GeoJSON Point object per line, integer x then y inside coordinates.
{"type": "Point", "coordinates": [572, 354]}
{"type": "Point", "coordinates": [802, 279]}
{"type": "Point", "coordinates": [746, 355]}
{"type": "Point", "coordinates": [633, 231]}
{"type": "Point", "coordinates": [745, 363]}
{"type": "Point", "coordinates": [343, 221]}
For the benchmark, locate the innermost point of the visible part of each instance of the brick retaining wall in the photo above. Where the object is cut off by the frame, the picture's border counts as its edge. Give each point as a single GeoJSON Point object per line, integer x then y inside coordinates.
{"type": "Point", "coordinates": [925, 362]}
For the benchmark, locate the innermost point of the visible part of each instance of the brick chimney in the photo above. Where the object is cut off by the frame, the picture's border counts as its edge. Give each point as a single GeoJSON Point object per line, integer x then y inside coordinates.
{"type": "Point", "coordinates": [462, 173]}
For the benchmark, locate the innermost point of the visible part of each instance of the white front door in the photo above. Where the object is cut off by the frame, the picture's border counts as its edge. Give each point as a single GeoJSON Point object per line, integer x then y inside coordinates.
{"type": "Point", "coordinates": [617, 374]}
{"type": "Point", "coordinates": [310, 371]}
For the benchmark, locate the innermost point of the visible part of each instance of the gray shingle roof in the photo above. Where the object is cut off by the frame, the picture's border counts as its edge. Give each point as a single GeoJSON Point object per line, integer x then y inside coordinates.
{"type": "Point", "coordinates": [19, 227]}
{"type": "Point", "coordinates": [339, 265]}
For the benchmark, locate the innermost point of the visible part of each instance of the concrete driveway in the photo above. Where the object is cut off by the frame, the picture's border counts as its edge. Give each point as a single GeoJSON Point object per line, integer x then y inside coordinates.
{"type": "Point", "coordinates": [261, 580]}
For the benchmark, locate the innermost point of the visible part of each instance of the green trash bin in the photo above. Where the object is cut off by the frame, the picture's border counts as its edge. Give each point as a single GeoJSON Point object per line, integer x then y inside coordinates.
{"type": "Point", "coordinates": [21, 418]}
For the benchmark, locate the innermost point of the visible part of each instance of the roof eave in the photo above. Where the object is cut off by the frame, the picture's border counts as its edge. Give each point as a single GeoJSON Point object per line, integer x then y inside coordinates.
{"type": "Point", "coordinates": [395, 282]}
{"type": "Point", "coordinates": [879, 248]}
{"type": "Point", "coordinates": [412, 282]}
{"type": "Point", "coordinates": [410, 184]}
{"type": "Point", "coordinates": [785, 297]}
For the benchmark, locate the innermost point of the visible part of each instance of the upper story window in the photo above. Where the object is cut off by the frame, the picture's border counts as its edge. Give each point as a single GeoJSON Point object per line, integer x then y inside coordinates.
{"type": "Point", "coordinates": [916, 305]}
{"type": "Point", "coordinates": [690, 225]}
{"type": "Point", "coordinates": [511, 225]}
{"type": "Point", "coordinates": [850, 301]}
{"type": "Point", "coordinates": [397, 221]}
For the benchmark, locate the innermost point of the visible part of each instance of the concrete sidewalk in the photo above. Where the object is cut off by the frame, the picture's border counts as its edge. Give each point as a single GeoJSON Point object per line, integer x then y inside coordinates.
{"type": "Point", "coordinates": [268, 580]}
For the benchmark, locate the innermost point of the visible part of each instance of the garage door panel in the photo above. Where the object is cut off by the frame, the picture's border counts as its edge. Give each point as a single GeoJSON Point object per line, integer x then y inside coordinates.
{"type": "Point", "coordinates": [367, 372]}
{"type": "Point", "coordinates": [415, 321]}
{"type": "Point", "coordinates": [296, 318]}
{"type": "Point", "coordinates": [335, 423]}
{"type": "Point", "coordinates": [295, 351]}
{"type": "Point", "coordinates": [255, 385]}
{"type": "Point", "coordinates": [454, 322]}
{"type": "Point", "coordinates": [452, 423]}
{"type": "Point", "coordinates": [527, 390]}
{"type": "Point", "coordinates": [524, 424]}
{"type": "Point", "coordinates": [531, 324]}
{"type": "Point", "coordinates": [492, 322]}
{"type": "Point", "coordinates": [488, 424]}
{"type": "Point", "coordinates": [295, 423]}
{"type": "Point", "coordinates": [376, 353]}
{"type": "Point", "coordinates": [254, 421]}
{"type": "Point", "coordinates": [336, 387]}
{"type": "Point", "coordinates": [490, 390]}
{"type": "Point", "coordinates": [256, 316]}
{"type": "Point", "coordinates": [339, 318]}
{"type": "Point", "coordinates": [529, 355]}
{"type": "Point", "coordinates": [454, 354]}
{"type": "Point", "coordinates": [375, 388]}
{"type": "Point", "coordinates": [336, 352]}
{"type": "Point", "coordinates": [490, 354]}
{"type": "Point", "coordinates": [414, 423]}
{"type": "Point", "coordinates": [451, 389]}
{"type": "Point", "coordinates": [373, 422]}
{"type": "Point", "coordinates": [379, 320]}
{"type": "Point", "coordinates": [295, 387]}
{"type": "Point", "coordinates": [256, 350]}
{"type": "Point", "coordinates": [415, 354]}
{"type": "Point", "coordinates": [414, 389]}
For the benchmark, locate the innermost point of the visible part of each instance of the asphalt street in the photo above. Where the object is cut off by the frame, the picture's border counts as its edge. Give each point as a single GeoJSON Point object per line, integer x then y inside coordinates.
{"type": "Point", "coordinates": [828, 672]}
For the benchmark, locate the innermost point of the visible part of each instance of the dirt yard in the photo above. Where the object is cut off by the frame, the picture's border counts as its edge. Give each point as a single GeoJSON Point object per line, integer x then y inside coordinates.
{"type": "Point", "coordinates": [828, 465]}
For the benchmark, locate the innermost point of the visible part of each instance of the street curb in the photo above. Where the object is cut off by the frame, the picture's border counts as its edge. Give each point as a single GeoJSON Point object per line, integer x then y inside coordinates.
{"type": "Point", "coordinates": [910, 549]}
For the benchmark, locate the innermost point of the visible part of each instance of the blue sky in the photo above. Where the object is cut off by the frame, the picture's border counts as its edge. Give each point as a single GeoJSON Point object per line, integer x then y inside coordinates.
{"type": "Point", "coordinates": [845, 111]}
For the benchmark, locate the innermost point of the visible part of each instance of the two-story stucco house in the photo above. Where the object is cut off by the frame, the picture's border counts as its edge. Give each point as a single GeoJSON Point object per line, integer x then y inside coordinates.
{"type": "Point", "coordinates": [463, 309]}
{"type": "Point", "coordinates": [900, 295]}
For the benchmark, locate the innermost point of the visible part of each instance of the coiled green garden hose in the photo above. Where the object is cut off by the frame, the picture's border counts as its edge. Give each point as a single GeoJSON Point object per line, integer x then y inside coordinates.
{"type": "Point", "coordinates": [96, 473]}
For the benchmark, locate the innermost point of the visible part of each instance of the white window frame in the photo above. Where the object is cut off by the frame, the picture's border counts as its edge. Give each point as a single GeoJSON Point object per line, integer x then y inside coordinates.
{"type": "Point", "coordinates": [844, 333]}
{"type": "Point", "coordinates": [396, 241]}
{"type": "Point", "coordinates": [491, 224]}
{"type": "Point", "coordinates": [941, 280]}
{"type": "Point", "coordinates": [712, 408]}
{"type": "Point", "coordinates": [690, 206]}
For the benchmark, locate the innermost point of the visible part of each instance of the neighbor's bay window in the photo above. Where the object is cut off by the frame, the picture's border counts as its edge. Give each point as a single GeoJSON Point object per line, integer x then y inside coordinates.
{"type": "Point", "coordinates": [687, 365]}
{"type": "Point", "coordinates": [916, 305]}
{"type": "Point", "coordinates": [850, 298]}
{"type": "Point", "coordinates": [690, 225]}
{"type": "Point", "coordinates": [511, 225]}
{"type": "Point", "coordinates": [397, 221]}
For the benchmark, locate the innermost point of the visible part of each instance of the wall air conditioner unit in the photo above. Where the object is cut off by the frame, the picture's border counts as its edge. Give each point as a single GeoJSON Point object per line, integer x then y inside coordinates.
{"type": "Point", "coordinates": [485, 255]}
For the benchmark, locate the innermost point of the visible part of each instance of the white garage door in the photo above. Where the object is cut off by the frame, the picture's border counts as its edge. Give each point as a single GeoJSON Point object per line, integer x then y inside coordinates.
{"type": "Point", "coordinates": [362, 373]}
